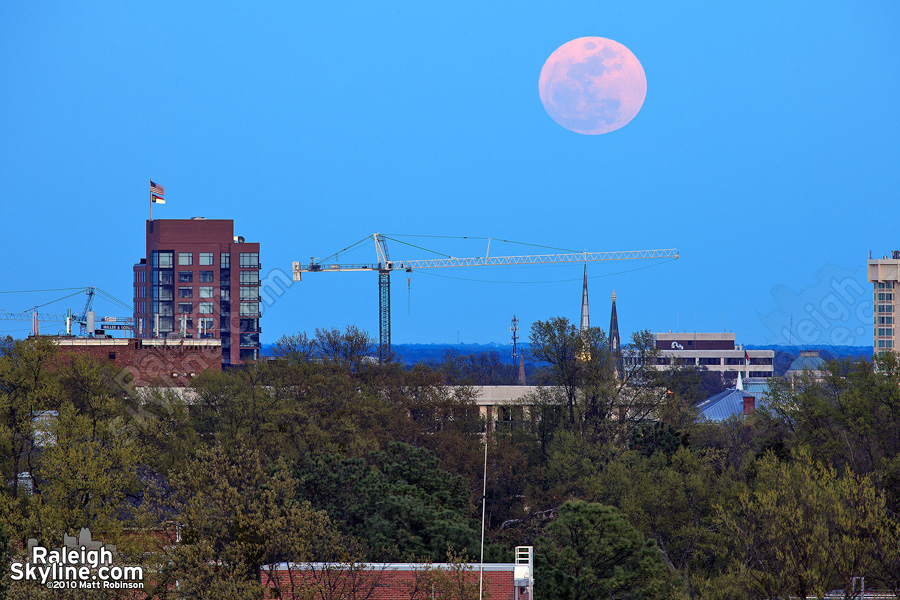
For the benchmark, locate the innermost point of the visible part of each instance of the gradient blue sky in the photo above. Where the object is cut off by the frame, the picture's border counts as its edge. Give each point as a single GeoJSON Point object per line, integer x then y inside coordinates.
{"type": "Point", "coordinates": [766, 152]}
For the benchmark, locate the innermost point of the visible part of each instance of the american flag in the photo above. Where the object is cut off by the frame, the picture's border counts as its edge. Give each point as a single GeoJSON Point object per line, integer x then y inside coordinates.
{"type": "Point", "coordinates": [157, 189]}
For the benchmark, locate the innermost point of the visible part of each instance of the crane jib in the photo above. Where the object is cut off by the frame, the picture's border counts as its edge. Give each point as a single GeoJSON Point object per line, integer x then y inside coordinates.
{"type": "Point", "coordinates": [483, 261]}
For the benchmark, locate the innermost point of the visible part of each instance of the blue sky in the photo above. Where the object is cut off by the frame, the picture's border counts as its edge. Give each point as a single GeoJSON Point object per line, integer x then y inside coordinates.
{"type": "Point", "coordinates": [766, 152]}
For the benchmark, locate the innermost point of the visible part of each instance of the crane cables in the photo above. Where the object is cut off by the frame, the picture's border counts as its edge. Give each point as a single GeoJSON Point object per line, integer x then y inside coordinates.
{"type": "Point", "coordinates": [77, 291]}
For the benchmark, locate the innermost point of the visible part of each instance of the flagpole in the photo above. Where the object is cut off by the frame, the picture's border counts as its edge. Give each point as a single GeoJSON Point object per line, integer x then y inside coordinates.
{"type": "Point", "coordinates": [151, 201]}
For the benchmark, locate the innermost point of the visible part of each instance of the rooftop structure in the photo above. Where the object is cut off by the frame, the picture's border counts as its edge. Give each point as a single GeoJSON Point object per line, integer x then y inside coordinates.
{"type": "Point", "coordinates": [728, 404]}
{"type": "Point", "coordinates": [809, 360]}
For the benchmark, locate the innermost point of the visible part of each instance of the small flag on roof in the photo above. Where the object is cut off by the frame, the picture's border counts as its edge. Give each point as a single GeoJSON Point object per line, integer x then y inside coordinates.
{"type": "Point", "coordinates": [157, 199]}
{"type": "Point", "coordinates": [157, 190]}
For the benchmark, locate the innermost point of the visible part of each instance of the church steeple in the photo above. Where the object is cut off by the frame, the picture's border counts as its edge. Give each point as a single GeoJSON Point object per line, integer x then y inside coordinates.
{"type": "Point", "coordinates": [585, 316]}
{"type": "Point", "coordinates": [614, 341]}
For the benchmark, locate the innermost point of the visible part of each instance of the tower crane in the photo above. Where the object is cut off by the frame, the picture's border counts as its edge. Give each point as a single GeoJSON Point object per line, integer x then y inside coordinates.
{"type": "Point", "coordinates": [385, 265]}
{"type": "Point", "coordinates": [87, 321]}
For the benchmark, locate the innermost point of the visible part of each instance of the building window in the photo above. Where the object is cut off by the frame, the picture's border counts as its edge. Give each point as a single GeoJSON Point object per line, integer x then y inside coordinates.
{"type": "Point", "coordinates": [206, 308]}
{"type": "Point", "coordinates": [759, 374]}
{"type": "Point", "coordinates": [206, 259]}
{"type": "Point", "coordinates": [885, 320]}
{"type": "Point", "coordinates": [185, 292]}
{"type": "Point", "coordinates": [885, 308]}
{"type": "Point", "coordinates": [249, 325]}
{"type": "Point", "coordinates": [249, 293]}
{"type": "Point", "coordinates": [164, 293]}
{"type": "Point", "coordinates": [760, 361]}
{"type": "Point", "coordinates": [887, 285]}
{"type": "Point", "coordinates": [223, 325]}
{"type": "Point", "coordinates": [734, 361]}
{"type": "Point", "coordinates": [249, 260]}
{"type": "Point", "coordinates": [206, 276]}
{"type": "Point", "coordinates": [710, 361]}
{"type": "Point", "coordinates": [162, 259]}
{"type": "Point", "coordinates": [224, 260]}
{"type": "Point", "coordinates": [206, 324]}
{"type": "Point", "coordinates": [889, 296]}
{"type": "Point", "coordinates": [164, 277]}
{"type": "Point", "coordinates": [224, 308]}
{"type": "Point", "coordinates": [249, 309]}
{"type": "Point", "coordinates": [185, 276]}
{"type": "Point", "coordinates": [225, 294]}
{"type": "Point", "coordinates": [185, 308]}
{"type": "Point", "coordinates": [247, 354]}
{"type": "Point", "coordinates": [250, 277]}
{"type": "Point", "coordinates": [206, 291]}
{"type": "Point", "coordinates": [888, 331]}
{"type": "Point", "coordinates": [249, 339]}
{"type": "Point", "coordinates": [185, 258]}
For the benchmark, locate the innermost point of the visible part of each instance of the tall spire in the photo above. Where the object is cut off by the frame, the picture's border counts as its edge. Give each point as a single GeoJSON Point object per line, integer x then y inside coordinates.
{"type": "Point", "coordinates": [585, 316]}
{"type": "Point", "coordinates": [614, 341]}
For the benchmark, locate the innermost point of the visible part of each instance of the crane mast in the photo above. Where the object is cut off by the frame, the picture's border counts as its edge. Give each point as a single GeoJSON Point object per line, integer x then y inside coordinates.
{"type": "Point", "coordinates": [385, 265]}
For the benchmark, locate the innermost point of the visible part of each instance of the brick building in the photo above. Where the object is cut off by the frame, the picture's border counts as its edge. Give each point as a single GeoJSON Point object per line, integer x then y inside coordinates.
{"type": "Point", "coordinates": [199, 281]}
{"type": "Point", "coordinates": [148, 362]}
{"type": "Point", "coordinates": [396, 581]}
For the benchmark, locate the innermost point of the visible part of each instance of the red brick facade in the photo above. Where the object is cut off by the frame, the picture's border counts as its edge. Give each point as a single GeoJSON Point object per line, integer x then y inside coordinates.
{"type": "Point", "coordinates": [139, 363]}
{"type": "Point", "coordinates": [398, 581]}
{"type": "Point", "coordinates": [197, 275]}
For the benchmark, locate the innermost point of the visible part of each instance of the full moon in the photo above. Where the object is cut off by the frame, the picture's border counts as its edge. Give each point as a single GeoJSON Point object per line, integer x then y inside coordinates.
{"type": "Point", "coordinates": [592, 85]}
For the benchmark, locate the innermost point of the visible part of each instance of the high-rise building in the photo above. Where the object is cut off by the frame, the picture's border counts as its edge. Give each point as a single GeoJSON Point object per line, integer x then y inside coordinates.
{"type": "Point", "coordinates": [884, 274]}
{"type": "Point", "coordinates": [199, 280]}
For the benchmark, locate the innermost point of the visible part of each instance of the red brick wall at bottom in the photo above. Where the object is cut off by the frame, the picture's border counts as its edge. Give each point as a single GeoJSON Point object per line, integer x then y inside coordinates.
{"type": "Point", "coordinates": [384, 583]}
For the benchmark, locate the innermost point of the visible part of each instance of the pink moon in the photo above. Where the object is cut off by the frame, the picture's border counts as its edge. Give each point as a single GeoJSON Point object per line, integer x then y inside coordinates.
{"type": "Point", "coordinates": [592, 85]}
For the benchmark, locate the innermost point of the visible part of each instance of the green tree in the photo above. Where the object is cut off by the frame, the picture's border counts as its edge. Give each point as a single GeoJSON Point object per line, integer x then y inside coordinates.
{"type": "Point", "coordinates": [479, 368]}
{"type": "Point", "coordinates": [803, 529]}
{"type": "Point", "coordinates": [591, 551]}
{"type": "Point", "coordinates": [28, 388]}
{"type": "Point", "coordinates": [672, 499]}
{"type": "Point", "coordinates": [399, 503]}
{"type": "Point", "coordinates": [850, 417]}
{"type": "Point", "coordinates": [234, 518]}
{"type": "Point", "coordinates": [84, 478]}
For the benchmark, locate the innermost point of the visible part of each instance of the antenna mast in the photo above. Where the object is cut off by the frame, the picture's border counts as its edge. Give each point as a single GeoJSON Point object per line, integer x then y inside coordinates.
{"type": "Point", "coordinates": [514, 327]}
